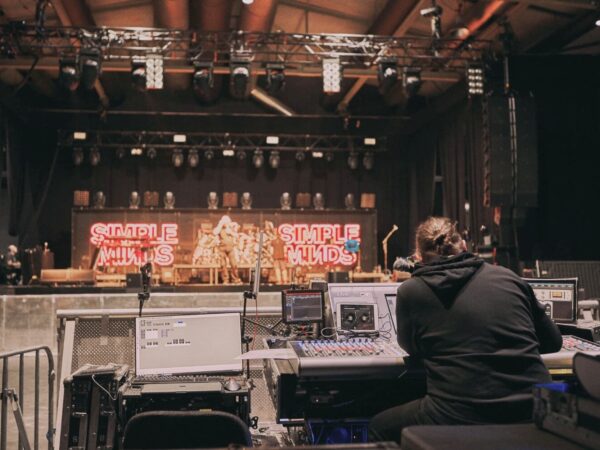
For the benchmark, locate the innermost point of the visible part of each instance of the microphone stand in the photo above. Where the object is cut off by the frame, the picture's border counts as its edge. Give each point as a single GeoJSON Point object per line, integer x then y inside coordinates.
{"type": "Point", "coordinates": [385, 248]}
{"type": "Point", "coordinates": [146, 271]}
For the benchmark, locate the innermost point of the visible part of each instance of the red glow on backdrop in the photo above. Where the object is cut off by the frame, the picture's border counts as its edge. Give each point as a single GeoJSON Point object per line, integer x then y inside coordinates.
{"type": "Point", "coordinates": [134, 243]}
{"type": "Point", "coordinates": [319, 244]}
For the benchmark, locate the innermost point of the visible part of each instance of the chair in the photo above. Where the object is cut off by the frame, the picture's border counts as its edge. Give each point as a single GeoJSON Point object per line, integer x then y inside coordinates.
{"type": "Point", "coordinates": [185, 430]}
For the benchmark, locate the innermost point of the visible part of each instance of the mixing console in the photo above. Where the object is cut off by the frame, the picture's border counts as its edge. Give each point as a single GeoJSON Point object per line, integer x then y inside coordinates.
{"type": "Point", "coordinates": [362, 355]}
{"type": "Point", "coordinates": [563, 359]}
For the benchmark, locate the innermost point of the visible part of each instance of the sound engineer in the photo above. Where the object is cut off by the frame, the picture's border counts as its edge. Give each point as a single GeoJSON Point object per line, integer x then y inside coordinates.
{"type": "Point", "coordinates": [478, 329]}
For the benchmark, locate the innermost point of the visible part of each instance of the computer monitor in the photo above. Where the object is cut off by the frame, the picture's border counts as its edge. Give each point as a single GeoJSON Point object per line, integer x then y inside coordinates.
{"type": "Point", "coordinates": [558, 295]}
{"type": "Point", "coordinates": [302, 306]}
{"type": "Point", "coordinates": [206, 343]}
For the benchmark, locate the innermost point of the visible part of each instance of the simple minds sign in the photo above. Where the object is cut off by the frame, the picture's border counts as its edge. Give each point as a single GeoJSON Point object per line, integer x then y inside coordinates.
{"type": "Point", "coordinates": [314, 241]}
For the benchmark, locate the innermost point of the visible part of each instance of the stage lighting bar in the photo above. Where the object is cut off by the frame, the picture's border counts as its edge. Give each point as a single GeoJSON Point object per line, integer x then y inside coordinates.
{"type": "Point", "coordinates": [235, 144]}
{"type": "Point", "coordinates": [137, 151]}
{"type": "Point", "coordinates": [332, 76]}
{"type": "Point", "coordinates": [304, 54]}
{"type": "Point", "coordinates": [475, 80]}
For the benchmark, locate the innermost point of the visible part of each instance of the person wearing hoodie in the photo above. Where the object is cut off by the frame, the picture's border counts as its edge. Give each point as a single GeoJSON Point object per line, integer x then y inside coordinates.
{"type": "Point", "coordinates": [479, 331]}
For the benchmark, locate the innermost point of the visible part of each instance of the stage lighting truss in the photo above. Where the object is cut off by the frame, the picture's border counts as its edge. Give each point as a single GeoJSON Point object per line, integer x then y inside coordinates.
{"type": "Point", "coordinates": [301, 54]}
{"type": "Point", "coordinates": [213, 144]}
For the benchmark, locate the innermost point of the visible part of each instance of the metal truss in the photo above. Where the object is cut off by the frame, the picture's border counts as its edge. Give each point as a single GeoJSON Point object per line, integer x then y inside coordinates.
{"type": "Point", "coordinates": [221, 141]}
{"type": "Point", "coordinates": [298, 52]}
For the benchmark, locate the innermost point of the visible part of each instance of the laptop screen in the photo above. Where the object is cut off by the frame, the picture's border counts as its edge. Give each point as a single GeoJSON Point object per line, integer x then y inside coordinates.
{"type": "Point", "coordinates": [559, 297]}
{"type": "Point", "coordinates": [206, 343]}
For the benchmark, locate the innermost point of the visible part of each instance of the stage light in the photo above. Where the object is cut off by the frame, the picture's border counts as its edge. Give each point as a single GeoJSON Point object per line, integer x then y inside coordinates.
{"type": "Point", "coordinates": [177, 158]}
{"type": "Point", "coordinates": [319, 201]}
{"type": "Point", "coordinates": [79, 135]}
{"type": "Point", "coordinates": [138, 74]}
{"type": "Point", "coordinates": [370, 141]}
{"type": "Point", "coordinates": [285, 201]}
{"type": "Point", "coordinates": [329, 157]}
{"type": "Point", "coordinates": [209, 155]}
{"type": "Point", "coordinates": [272, 140]}
{"type": "Point", "coordinates": [179, 138]}
{"type": "Point", "coordinates": [152, 153]}
{"type": "Point", "coordinates": [229, 152]}
{"type": "Point", "coordinates": [598, 23]}
{"type": "Point", "coordinates": [137, 151]}
{"type": "Point", "coordinates": [120, 152]}
{"type": "Point", "coordinates": [154, 72]}
{"type": "Point", "coordinates": [193, 158]}
{"type": "Point", "coordinates": [258, 159]}
{"type": "Point", "coordinates": [332, 76]}
{"type": "Point", "coordinates": [317, 155]}
{"type": "Point", "coordinates": [99, 200]}
{"type": "Point", "coordinates": [387, 73]}
{"type": "Point", "coordinates": [275, 78]}
{"type": "Point", "coordinates": [274, 159]}
{"type": "Point", "coordinates": [239, 80]}
{"type": "Point", "coordinates": [475, 80]}
{"type": "Point", "coordinates": [246, 200]}
{"type": "Point", "coordinates": [68, 73]}
{"type": "Point", "coordinates": [134, 200]}
{"type": "Point", "coordinates": [349, 201]}
{"type": "Point", "coordinates": [91, 67]}
{"type": "Point", "coordinates": [77, 156]}
{"type": "Point", "coordinates": [353, 160]}
{"type": "Point", "coordinates": [203, 79]}
{"type": "Point", "coordinates": [300, 156]}
{"type": "Point", "coordinates": [247, 2]}
{"type": "Point", "coordinates": [368, 160]}
{"type": "Point", "coordinates": [212, 200]}
{"type": "Point", "coordinates": [411, 80]}
{"type": "Point", "coordinates": [241, 155]}
{"type": "Point", "coordinates": [169, 200]}
{"type": "Point", "coordinates": [94, 156]}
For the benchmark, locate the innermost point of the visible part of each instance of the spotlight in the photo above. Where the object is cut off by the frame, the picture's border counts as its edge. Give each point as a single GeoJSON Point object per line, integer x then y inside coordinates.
{"type": "Point", "coordinates": [169, 200]}
{"type": "Point", "coordinates": [152, 153]}
{"type": "Point", "coordinates": [387, 73]}
{"type": "Point", "coordinates": [332, 76]}
{"type": "Point", "coordinates": [90, 67]}
{"type": "Point", "coordinates": [120, 153]}
{"type": "Point", "coordinates": [77, 156]}
{"type": "Point", "coordinates": [274, 159]}
{"type": "Point", "coordinates": [275, 78]}
{"type": "Point", "coordinates": [68, 73]}
{"type": "Point", "coordinates": [99, 200]}
{"type": "Point", "coordinates": [247, 2]}
{"type": "Point", "coordinates": [134, 200]}
{"type": "Point", "coordinates": [203, 80]}
{"type": "Point", "coordinates": [329, 157]}
{"type": "Point", "coordinates": [368, 160]}
{"type": "Point", "coordinates": [154, 72]}
{"type": "Point", "coordinates": [317, 155]}
{"type": "Point", "coordinates": [300, 156]}
{"type": "Point", "coordinates": [353, 160]}
{"type": "Point", "coordinates": [137, 151]}
{"type": "Point", "coordinates": [475, 79]}
{"type": "Point", "coordinates": [209, 155]}
{"type": "Point", "coordinates": [411, 80]}
{"type": "Point", "coordinates": [177, 158]}
{"type": "Point", "coordinates": [239, 80]}
{"type": "Point", "coordinates": [193, 158]}
{"type": "Point", "coordinates": [241, 155]}
{"type": "Point", "coordinates": [258, 159]}
{"type": "Point", "coordinates": [229, 151]}
{"type": "Point", "coordinates": [94, 156]}
{"type": "Point", "coordinates": [138, 74]}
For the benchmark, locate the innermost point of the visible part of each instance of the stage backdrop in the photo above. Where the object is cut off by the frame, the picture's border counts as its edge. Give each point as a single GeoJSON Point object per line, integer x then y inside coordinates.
{"type": "Point", "coordinates": [315, 240]}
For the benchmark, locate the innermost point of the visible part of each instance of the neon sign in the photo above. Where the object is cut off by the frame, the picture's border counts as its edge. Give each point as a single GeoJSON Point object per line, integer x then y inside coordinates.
{"type": "Point", "coordinates": [319, 244]}
{"type": "Point", "coordinates": [127, 244]}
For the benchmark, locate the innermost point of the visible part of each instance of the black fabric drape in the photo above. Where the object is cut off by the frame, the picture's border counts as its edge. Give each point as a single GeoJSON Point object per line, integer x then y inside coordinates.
{"type": "Point", "coordinates": [15, 171]}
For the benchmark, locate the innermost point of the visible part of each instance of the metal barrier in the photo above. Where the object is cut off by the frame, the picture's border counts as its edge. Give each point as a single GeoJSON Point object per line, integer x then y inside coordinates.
{"type": "Point", "coordinates": [18, 400]}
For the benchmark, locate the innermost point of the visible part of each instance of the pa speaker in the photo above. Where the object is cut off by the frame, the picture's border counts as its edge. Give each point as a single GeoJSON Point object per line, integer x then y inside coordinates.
{"type": "Point", "coordinates": [501, 180]}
